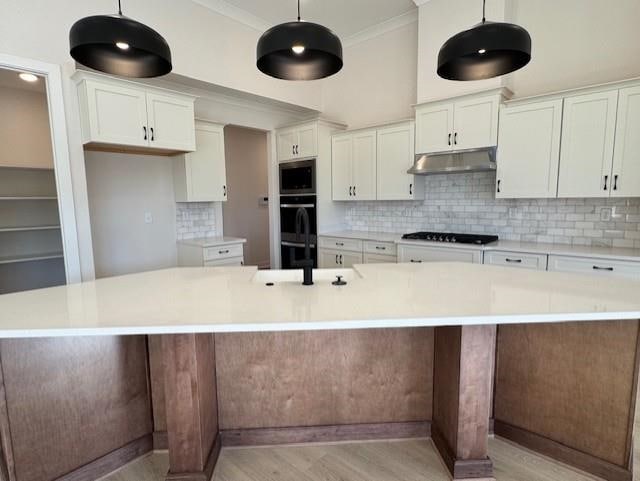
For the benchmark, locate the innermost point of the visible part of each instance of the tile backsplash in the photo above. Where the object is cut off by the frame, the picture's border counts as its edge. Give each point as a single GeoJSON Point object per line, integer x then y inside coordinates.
{"type": "Point", "coordinates": [195, 220]}
{"type": "Point", "coordinates": [467, 203]}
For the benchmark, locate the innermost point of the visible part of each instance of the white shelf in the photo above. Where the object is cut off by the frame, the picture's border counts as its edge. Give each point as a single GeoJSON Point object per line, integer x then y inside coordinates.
{"type": "Point", "coordinates": [29, 228]}
{"type": "Point", "coordinates": [30, 257]}
{"type": "Point", "coordinates": [35, 197]}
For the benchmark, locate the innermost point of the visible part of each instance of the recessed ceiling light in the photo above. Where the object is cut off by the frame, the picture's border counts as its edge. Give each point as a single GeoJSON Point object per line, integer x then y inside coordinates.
{"type": "Point", "coordinates": [28, 77]}
{"type": "Point", "coordinates": [122, 45]}
{"type": "Point", "coordinates": [299, 49]}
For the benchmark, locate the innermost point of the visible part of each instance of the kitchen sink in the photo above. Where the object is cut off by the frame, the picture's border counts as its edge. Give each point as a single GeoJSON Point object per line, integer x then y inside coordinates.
{"type": "Point", "coordinates": [294, 276]}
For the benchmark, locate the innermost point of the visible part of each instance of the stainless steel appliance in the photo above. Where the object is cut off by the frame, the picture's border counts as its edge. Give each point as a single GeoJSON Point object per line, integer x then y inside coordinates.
{"type": "Point", "coordinates": [474, 160]}
{"type": "Point", "coordinates": [452, 238]}
{"type": "Point", "coordinates": [298, 178]}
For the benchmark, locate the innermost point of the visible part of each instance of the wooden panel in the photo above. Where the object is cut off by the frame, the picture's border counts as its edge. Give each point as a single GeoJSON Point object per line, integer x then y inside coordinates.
{"type": "Point", "coordinates": [190, 393]}
{"type": "Point", "coordinates": [447, 377]}
{"type": "Point", "coordinates": [572, 383]}
{"type": "Point", "coordinates": [156, 382]}
{"type": "Point", "coordinates": [324, 378]}
{"type": "Point", "coordinates": [324, 434]}
{"type": "Point", "coordinates": [73, 400]}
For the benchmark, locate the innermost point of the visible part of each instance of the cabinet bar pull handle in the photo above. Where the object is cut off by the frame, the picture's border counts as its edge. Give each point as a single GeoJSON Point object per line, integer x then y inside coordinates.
{"type": "Point", "coordinates": [455, 138]}
{"type": "Point", "coordinates": [606, 180]}
{"type": "Point", "coordinates": [224, 190]}
{"type": "Point", "coordinates": [340, 244]}
{"type": "Point", "coordinates": [598, 268]}
{"type": "Point", "coordinates": [354, 191]}
{"type": "Point", "coordinates": [341, 260]}
{"type": "Point", "coordinates": [350, 191]}
{"type": "Point", "coordinates": [153, 136]}
{"type": "Point", "coordinates": [226, 251]}
{"type": "Point", "coordinates": [499, 182]}
{"type": "Point", "coordinates": [336, 259]}
{"type": "Point", "coordinates": [615, 182]}
{"type": "Point", "coordinates": [516, 261]}
{"type": "Point", "coordinates": [381, 248]}
{"type": "Point", "coordinates": [145, 132]}
{"type": "Point", "coordinates": [449, 141]}
{"type": "Point", "coordinates": [410, 189]}
{"type": "Point", "coordinates": [416, 262]}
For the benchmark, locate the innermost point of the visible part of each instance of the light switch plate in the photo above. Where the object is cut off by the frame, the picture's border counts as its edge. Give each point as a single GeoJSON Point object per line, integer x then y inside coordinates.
{"type": "Point", "coordinates": [148, 218]}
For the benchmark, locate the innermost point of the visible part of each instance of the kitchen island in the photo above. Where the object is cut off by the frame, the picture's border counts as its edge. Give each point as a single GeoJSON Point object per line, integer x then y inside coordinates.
{"type": "Point", "coordinates": [402, 350]}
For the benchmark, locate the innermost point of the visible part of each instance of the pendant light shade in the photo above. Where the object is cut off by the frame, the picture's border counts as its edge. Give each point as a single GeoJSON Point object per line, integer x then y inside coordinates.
{"type": "Point", "coordinates": [485, 51]}
{"type": "Point", "coordinates": [299, 51]}
{"type": "Point", "coordinates": [118, 45]}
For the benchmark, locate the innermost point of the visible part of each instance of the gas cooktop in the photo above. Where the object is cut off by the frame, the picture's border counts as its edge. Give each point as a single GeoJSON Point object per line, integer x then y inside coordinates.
{"type": "Point", "coordinates": [452, 238]}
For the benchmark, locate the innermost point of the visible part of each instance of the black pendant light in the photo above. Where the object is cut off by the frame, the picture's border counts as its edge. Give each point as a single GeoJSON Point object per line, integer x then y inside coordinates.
{"type": "Point", "coordinates": [118, 45]}
{"type": "Point", "coordinates": [299, 51]}
{"type": "Point", "coordinates": [485, 51]}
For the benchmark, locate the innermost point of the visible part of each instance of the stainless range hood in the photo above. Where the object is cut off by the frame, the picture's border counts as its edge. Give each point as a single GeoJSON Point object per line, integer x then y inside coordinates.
{"type": "Point", "coordinates": [473, 160]}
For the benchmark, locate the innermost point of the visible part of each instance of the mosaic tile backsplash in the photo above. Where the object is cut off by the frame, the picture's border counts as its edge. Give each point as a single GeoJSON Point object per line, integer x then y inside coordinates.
{"type": "Point", "coordinates": [195, 220]}
{"type": "Point", "coordinates": [467, 203]}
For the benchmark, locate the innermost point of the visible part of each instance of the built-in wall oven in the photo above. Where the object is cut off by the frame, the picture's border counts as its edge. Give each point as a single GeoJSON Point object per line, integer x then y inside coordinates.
{"type": "Point", "coordinates": [297, 189]}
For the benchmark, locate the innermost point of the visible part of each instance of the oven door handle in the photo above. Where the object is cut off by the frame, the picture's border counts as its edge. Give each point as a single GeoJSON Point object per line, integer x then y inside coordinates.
{"type": "Point", "coordinates": [295, 206]}
{"type": "Point", "coordinates": [295, 244]}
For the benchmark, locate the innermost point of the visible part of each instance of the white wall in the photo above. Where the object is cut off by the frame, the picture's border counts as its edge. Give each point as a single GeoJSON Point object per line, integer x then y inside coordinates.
{"type": "Point", "coordinates": [378, 81]}
{"type": "Point", "coordinates": [121, 189]}
{"type": "Point", "coordinates": [205, 45]}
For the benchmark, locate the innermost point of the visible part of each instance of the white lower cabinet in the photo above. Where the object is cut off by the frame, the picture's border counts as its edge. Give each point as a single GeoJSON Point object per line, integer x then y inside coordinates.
{"type": "Point", "coordinates": [211, 253]}
{"type": "Point", "coordinates": [343, 252]}
{"type": "Point", "coordinates": [330, 258]}
{"type": "Point", "coordinates": [595, 266]}
{"type": "Point", "coordinates": [418, 254]}
{"type": "Point", "coordinates": [516, 259]}
{"type": "Point", "coordinates": [379, 259]}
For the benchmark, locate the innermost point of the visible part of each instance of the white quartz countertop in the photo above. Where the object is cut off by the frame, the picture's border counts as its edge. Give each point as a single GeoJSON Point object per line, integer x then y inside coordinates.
{"type": "Point", "coordinates": [189, 300]}
{"type": "Point", "coordinates": [212, 241]}
{"type": "Point", "coordinates": [613, 253]}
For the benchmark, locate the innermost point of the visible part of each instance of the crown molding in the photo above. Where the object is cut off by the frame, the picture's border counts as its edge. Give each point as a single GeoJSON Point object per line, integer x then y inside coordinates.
{"type": "Point", "coordinates": [246, 18]}
{"type": "Point", "coordinates": [235, 13]}
{"type": "Point", "coordinates": [381, 28]}
{"type": "Point", "coordinates": [420, 2]}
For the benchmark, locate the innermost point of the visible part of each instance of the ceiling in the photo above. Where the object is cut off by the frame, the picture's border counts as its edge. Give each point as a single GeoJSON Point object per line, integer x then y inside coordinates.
{"type": "Point", "coordinates": [10, 79]}
{"type": "Point", "coordinates": [344, 17]}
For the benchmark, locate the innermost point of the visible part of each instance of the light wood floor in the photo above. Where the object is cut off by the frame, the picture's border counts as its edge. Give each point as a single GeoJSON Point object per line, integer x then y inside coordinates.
{"type": "Point", "coordinates": [403, 460]}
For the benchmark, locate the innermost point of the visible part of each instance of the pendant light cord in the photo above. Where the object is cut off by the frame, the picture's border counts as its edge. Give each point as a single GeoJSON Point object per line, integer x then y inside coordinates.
{"type": "Point", "coordinates": [484, 9]}
{"type": "Point", "coordinates": [298, 10]}
{"type": "Point", "coordinates": [119, 7]}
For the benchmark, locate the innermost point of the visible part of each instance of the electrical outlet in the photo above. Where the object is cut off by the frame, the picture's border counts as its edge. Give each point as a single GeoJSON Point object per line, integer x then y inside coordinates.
{"type": "Point", "coordinates": [148, 218]}
{"type": "Point", "coordinates": [605, 214]}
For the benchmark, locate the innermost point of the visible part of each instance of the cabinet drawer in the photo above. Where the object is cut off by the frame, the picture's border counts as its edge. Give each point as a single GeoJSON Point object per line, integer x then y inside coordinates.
{"type": "Point", "coordinates": [379, 259]}
{"type": "Point", "coordinates": [407, 253]}
{"type": "Point", "coordinates": [353, 245]}
{"type": "Point", "coordinates": [595, 266]}
{"type": "Point", "coordinates": [232, 261]}
{"type": "Point", "coordinates": [516, 259]}
{"type": "Point", "coordinates": [381, 248]}
{"type": "Point", "coordinates": [223, 252]}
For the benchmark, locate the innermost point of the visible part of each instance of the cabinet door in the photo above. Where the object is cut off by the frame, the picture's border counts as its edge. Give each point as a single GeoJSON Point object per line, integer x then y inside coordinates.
{"type": "Point", "coordinates": [307, 142]}
{"type": "Point", "coordinates": [434, 128]}
{"type": "Point", "coordinates": [171, 122]}
{"type": "Point", "coordinates": [419, 254]}
{"type": "Point", "coordinates": [364, 165]}
{"type": "Point", "coordinates": [529, 150]}
{"type": "Point", "coordinates": [476, 123]}
{"type": "Point", "coordinates": [626, 159]}
{"type": "Point", "coordinates": [341, 167]}
{"type": "Point", "coordinates": [328, 259]}
{"type": "Point", "coordinates": [586, 154]}
{"type": "Point", "coordinates": [117, 115]}
{"type": "Point", "coordinates": [206, 169]}
{"type": "Point", "coordinates": [349, 259]}
{"type": "Point", "coordinates": [395, 157]}
{"type": "Point", "coordinates": [287, 140]}
{"type": "Point", "coordinates": [378, 259]}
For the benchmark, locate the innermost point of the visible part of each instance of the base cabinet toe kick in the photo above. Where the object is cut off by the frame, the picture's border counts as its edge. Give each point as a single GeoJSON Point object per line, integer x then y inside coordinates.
{"type": "Point", "coordinates": [565, 390]}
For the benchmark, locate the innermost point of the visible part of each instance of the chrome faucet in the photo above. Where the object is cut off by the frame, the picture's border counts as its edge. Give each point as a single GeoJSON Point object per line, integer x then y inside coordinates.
{"type": "Point", "coordinates": [302, 216]}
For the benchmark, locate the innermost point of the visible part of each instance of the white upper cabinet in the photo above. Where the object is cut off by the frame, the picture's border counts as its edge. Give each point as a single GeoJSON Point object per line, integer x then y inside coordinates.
{"type": "Point", "coordinates": [529, 150]}
{"type": "Point", "coordinates": [475, 122]}
{"type": "Point", "coordinates": [626, 159]}
{"type": "Point", "coordinates": [201, 176]}
{"type": "Point", "coordinates": [467, 123]}
{"type": "Point", "coordinates": [588, 135]}
{"type": "Point", "coordinates": [395, 156]}
{"type": "Point", "coordinates": [170, 122]}
{"type": "Point", "coordinates": [434, 132]}
{"type": "Point", "coordinates": [298, 142]}
{"type": "Point", "coordinates": [341, 167]}
{"type": "Point", "coordinates": [126, 114]}
{"type": "Point", "coordinates": [113, 114]}
{"type": "Point", "coordinates": [354, 165]}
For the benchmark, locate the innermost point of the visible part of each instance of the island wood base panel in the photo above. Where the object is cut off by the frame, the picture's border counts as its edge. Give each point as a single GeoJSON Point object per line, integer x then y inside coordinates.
{"type": "Point", "coordinates": [562, 453]}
